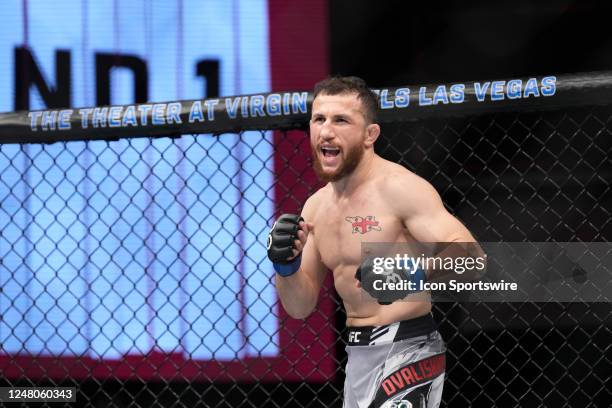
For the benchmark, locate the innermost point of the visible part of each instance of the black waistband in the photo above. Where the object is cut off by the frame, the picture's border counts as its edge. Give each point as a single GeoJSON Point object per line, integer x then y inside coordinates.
{"type": "Point", "coordinates": [372, 335]}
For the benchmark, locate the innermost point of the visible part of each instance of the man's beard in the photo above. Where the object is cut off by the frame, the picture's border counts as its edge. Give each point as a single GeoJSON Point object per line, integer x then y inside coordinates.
{"type": "Point", "coordinates": [348, 165]}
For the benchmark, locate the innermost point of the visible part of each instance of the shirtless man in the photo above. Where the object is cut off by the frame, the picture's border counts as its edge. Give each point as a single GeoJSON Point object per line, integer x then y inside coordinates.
{"type": "Point", "coordinates": [395, 354]}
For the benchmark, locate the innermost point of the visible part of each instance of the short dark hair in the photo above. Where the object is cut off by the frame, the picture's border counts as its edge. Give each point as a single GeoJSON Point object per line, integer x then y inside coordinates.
{"type": "Point", "coordinates": [339, 85]}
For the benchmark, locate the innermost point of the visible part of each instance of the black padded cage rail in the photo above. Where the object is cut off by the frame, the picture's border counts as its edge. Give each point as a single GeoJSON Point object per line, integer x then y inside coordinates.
{"type": "Point", "coordinates": [82, 221]}
{"type": "Point", "coordinates": [288, 110]}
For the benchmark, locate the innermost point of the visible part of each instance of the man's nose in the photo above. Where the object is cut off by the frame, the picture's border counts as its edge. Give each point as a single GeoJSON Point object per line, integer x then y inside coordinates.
{"type": "Point", "coordinates": [326, 131]}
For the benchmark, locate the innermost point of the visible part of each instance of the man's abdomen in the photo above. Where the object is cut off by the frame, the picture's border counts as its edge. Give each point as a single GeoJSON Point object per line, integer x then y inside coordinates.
{"type": "Point", "coordinates": [363, 310]}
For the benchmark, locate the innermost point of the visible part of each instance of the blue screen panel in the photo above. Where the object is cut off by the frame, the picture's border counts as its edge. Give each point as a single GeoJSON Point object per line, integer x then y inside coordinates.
{"type": "Point", "coordinates": [136, 245]}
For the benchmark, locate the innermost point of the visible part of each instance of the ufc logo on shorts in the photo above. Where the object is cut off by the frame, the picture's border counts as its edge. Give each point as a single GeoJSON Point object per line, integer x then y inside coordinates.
{"type": "Point", "coordinates": [354, 337]}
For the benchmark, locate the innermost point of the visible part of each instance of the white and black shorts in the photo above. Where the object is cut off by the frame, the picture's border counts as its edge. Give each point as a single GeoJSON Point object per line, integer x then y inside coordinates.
{"type": "Point", "coordinates": [400, 365]}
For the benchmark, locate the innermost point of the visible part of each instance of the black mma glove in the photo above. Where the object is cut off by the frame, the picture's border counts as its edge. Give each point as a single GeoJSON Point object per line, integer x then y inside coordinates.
{"type": "Point", "coordinates": [367, 273]}
{"type": "Point", "coordinates": [281, 244]}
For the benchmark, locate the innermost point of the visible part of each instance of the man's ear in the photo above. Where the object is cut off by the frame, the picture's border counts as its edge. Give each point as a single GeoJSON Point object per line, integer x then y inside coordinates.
{"type": "Point", "coordinates": [372, 133]}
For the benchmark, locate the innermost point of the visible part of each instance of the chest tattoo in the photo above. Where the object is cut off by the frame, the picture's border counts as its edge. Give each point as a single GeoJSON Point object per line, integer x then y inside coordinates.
{"type": "Point", "coordinates": [365, 224]}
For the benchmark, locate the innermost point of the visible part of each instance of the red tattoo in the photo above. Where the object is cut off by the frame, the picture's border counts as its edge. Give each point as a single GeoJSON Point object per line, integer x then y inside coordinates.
{"type": "Point", "coordinates": [364, 224]}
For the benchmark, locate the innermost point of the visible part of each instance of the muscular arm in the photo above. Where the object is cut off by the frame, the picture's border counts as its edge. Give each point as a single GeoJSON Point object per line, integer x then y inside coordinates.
{"type": "Point", "coordinates": [422, 212]}
{"type": "Point", "coordinates": [299, 292]}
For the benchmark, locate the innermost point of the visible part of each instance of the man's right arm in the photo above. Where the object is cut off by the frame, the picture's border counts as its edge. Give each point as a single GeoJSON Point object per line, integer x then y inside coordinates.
{"type": "Point", "coordinates": [299, 292]}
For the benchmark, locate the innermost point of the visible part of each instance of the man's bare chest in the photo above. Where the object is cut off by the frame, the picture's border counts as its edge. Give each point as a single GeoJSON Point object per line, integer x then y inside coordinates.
{"type": "Point", "coordinates": [341, 230]}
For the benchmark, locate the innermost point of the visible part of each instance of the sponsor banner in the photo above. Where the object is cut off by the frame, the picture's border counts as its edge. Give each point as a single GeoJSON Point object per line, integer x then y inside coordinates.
{"type": "Point", "coordinates": [290, 109]}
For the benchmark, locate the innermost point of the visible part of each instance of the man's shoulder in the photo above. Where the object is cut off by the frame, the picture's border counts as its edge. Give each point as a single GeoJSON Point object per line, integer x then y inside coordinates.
{"type": "Point", "coordinates": [406, 188]}
{"type": "Point", "coordinates": [397, 177]}
{"type": "Point", "coordinates": [312, 203]}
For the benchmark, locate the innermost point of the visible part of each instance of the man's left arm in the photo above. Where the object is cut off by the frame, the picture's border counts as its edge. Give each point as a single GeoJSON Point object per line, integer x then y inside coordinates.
{"type": "Point", "coordinates": [441, 235]}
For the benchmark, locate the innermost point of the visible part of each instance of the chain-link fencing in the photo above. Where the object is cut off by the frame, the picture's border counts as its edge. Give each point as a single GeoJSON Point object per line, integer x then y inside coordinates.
{"type": "Point", "coordinates": [136, 269]}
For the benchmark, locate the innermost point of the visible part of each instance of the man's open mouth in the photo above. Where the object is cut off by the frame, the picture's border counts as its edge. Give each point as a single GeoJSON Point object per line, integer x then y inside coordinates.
{"type": "Point", "coordinates": [329, 151]}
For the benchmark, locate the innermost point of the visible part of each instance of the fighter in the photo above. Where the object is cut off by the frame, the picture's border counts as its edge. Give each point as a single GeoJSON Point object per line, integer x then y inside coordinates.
{"type": "Point", "coordinates": [395, 353]}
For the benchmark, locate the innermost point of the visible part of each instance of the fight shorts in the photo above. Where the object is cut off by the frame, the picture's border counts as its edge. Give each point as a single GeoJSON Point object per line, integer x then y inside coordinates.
{"type": "Point", "coordinates": [400, 365]}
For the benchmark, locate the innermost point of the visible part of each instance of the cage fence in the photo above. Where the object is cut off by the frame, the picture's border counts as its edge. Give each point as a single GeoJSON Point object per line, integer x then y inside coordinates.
{"type": "Point", "coordinates": [135, 269]}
